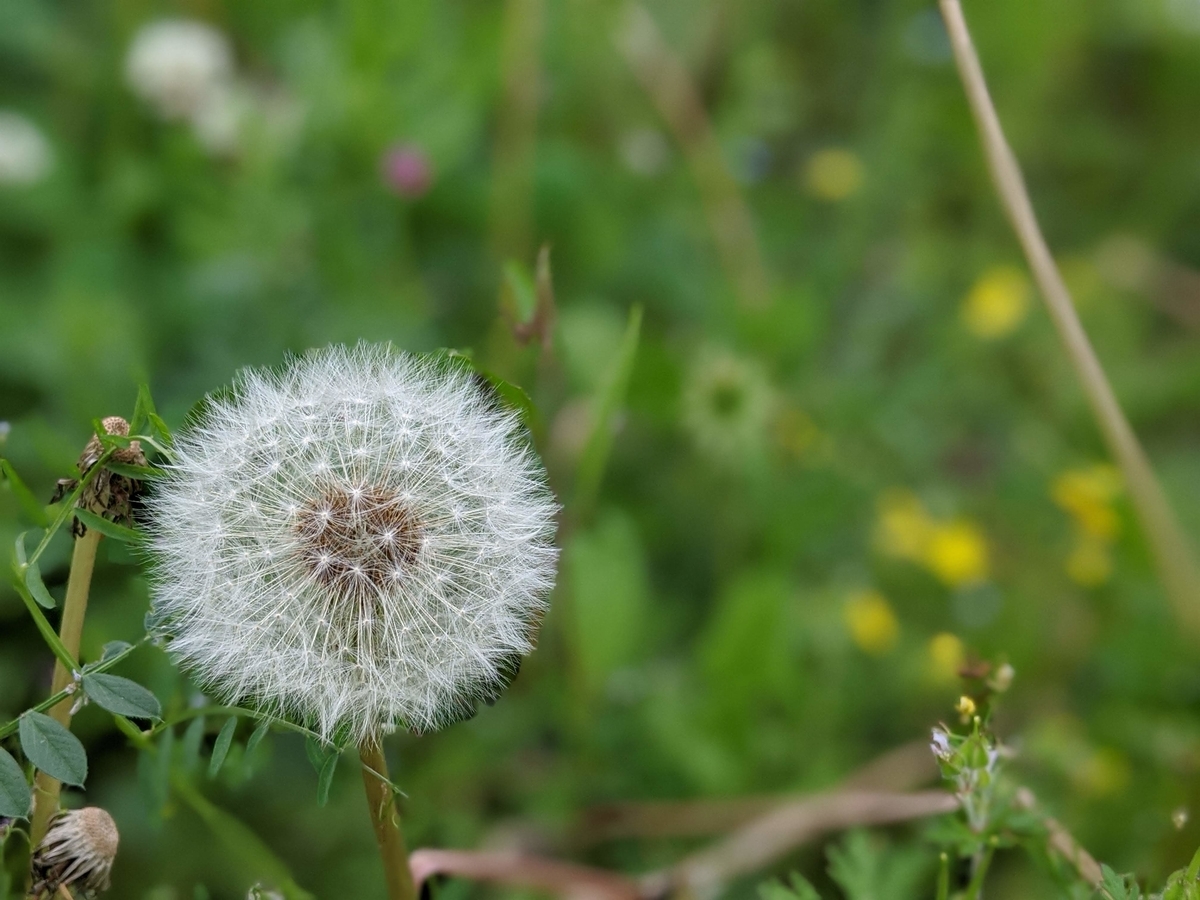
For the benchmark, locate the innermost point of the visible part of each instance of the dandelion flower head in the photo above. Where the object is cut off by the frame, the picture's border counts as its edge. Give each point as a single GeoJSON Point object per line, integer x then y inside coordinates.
{"type": "Point", "coordinates": [360, 540]}
{"type": "Point", "coordinates": [178, 65]}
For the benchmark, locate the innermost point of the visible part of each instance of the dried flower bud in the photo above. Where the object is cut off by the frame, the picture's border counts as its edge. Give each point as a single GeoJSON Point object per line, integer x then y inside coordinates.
{"type": "Point", "coordinates": [108, 494]}
{"type": "Point", "coordinates": [78, 851]}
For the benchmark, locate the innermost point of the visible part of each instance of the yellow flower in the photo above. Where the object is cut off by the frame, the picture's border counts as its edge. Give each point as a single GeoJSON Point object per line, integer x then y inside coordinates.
{"type": "Point", "coordinates": [1087, 495]}
{"type": "Point", "coordinates": [871, 622]}
{"type": "Point", "coordinates": [957, 554]}
{"type": "Point", "coordinates": [1090, 562]}
{"type": "Point", "coordinates": [946, 657]}
{"type": "Point", "coordinates": [833, 174]}
{"type": "Point", "coordinates": [1105, 771]}
{"type": "Point", "coordinates": [903, 527]}
{"type": "Point", "coordinates": [997, 303]}
{"type": "Point", "coordinates": [965, 708]}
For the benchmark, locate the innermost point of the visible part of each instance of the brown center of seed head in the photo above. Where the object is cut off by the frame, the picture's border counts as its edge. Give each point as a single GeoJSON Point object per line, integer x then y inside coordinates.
{"type": "Point", "coordinates": [357, 539]}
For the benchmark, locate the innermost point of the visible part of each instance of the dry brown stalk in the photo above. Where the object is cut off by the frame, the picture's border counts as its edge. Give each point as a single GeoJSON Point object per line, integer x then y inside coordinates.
{"type": "Point", "coordinates": [672, 90]}
{"type": "Point", "coordinates": [903, 768]}
{"type": "Point", "coordinates": [524, 870]}
{"type": "Point", "coordinates": [1170, 547]}
{"type": "Point", "coordinates": [776, 834]}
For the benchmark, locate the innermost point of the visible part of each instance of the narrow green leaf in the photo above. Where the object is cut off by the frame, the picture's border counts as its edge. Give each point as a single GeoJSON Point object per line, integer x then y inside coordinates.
{"type": "Point", "coordinates": [114, 649]}
{"type": "Point", "coordinates": [325, 779]}
{"type": "Point", "coordinates": [28, 502]}
{"type": "Point", "coordinates": [139, 473]}
{"type": "Point", "coordinates": [259, 733]}
{"type": "Point", "coordinates": [38, 589]}
{"type": "Point", "coordinates": [19, 550]}
{"type": "Point", "coordinates": [607, 405]}
{"type": "Point", "coordinates": [49, 635]}
{"type": "Point", "coordinates": [142, 408]}
{"type": "Point", "coordinates": [255, 858]}
{"type": "Point", "coordinates": [221, 747]}
{"type": "Point", "coordinates": [15, 795]}
{"type": "Point", "coordinates": [53, 749]}
{"type": "Point", "coordinates": [189, 751]}
{"type": "Point", "coordinates": [316, 753]}
{"type": "Point", "coordinates": [161, 781]}
{"type": "Point", "coordinates": [122, 696]}
{"type": "Point", "coordinates": [108, 528]}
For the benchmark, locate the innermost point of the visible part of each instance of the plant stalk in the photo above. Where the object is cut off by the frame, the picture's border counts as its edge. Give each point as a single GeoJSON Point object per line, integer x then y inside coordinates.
{"type": "Point", "coordinates": [1168, 545]}
{"type": "Point", "coordinates": [385, 819]}
{"type": "Point", "coordinates": [83, 560]}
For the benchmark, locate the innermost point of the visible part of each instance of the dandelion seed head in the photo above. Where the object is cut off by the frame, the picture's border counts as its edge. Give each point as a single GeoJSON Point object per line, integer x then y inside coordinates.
{"type": "Point", "coordinates": [360, 540]}
{"type": "Point", "coordinates": [178, 66]}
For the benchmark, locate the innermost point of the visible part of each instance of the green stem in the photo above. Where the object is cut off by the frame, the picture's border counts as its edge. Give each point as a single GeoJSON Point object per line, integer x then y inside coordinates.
{"type": "Point", "coordinates": [83, 560]}
{"type": "Point", "coordinates": [975, 888]}
{"type": "Point", "coordinates": [385, 819]}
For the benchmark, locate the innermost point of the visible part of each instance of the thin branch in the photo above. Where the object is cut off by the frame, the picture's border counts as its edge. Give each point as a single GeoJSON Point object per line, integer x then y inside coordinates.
{"type": "Point", "coordinates": [904, 768]}
{"type": "Point", "coordinates": [670, 87]}
{"type": "Point", "coordinates": [525, 871]}
{"type": "Point", "coordinates": [1170, 547]}
{"type": "Point", "coordinates": [766, 839]}
{"type": "Point", "coordinates": [1060, 841]}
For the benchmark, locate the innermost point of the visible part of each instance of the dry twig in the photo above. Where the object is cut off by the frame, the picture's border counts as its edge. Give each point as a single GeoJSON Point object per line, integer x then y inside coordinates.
{"type": "Point", "coordinates": [1171, 551]}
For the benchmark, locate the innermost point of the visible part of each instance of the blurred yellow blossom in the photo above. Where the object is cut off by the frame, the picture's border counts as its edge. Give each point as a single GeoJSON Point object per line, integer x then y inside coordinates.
{"type": "Point", "coordinates": [871, 622]}
{"type": "Point", "coordinates": [946, 657]}
{"type": "Point", "coordinates": [795, 432]}
{"type": "Point", "coordinates": [1089, 563]}
{"type": "Point", "coordinates": [965, 708]}
{"type": "Point", "coordinates": [833, 174]}
{"type": "Point", "coordinates": [903, 527]}
{"type": "Point", "coordinates": [1105, 771]}
{"type": "Point", "coordinates": [997, 303]}
{"type": "Point", "coordinates": [1087, 494]}
{"type": "Point", "coordinates": [957, 554]}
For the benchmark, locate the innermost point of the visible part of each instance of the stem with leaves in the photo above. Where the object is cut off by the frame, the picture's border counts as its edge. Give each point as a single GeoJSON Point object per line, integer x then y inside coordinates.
{"type": "Point", "coordinates": [83, 560]}
{"type": "Point", "coordinates": [385, 820]}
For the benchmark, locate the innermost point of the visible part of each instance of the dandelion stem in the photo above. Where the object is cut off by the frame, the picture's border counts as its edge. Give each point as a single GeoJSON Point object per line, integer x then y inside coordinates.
{"type": "Point", "coordinates": [385, 819]}
{"type": "Point", "coordinates": [1169, 546]}
{"type": "Point", "coordinates": [83, 560]}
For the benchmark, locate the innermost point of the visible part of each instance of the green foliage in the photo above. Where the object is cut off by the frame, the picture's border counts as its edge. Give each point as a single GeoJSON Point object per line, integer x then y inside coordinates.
{"type": "Point", "coordinates": [121, 696]}
{"type": "Point", "coordinates": [15, 795]}
{"type": "Point", "coordinates": [53, 749]}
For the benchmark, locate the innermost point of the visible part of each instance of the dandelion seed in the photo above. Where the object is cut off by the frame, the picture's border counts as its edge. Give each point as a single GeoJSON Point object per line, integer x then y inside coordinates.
{"type": "Point", "coordinates": [381, 589]}
{"type": "Point", "coordinates": [78, 851]}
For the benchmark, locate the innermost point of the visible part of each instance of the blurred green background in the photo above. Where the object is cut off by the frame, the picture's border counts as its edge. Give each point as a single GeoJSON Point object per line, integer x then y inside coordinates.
{"type": "Point", "coordinates": [851, 454]}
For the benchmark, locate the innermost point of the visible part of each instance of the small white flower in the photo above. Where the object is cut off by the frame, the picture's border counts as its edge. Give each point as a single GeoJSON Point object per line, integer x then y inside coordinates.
{"type": "Point", "coordinates": [177, 65]}
{"type": "Point", "coordinates": [361, 540]}
{"type": "Point", "coordinates": [25, 154]}
{"type": "Point", "coordinates": [940, 744]}
{"type": "Point", "coordinates": [78, 851]}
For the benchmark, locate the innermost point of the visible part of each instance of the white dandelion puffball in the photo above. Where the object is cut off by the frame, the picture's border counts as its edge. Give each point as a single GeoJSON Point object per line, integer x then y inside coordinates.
{"type": "Point", "coordinates": [25, 154]}
{"type": "Point", "coordinates": [177, 65]}
{"type": "Point", "coordinates": [361, 540]}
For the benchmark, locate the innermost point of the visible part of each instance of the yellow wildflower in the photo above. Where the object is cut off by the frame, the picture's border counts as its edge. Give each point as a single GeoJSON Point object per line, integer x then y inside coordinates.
{"type": "Point", "coordinates": [1087, 494]}
{"type": "Point", "coordinates": [903, 528]}
{"type": "Point", "coordinates": [946, 657]}
{"type": "Point", "coordinates": [1090, 562]}
{"type": "Point", "coordinates": [997, 303]}
{"type": "Point", "coordinates": [1105, 771]}
{"type": "Point", "coordinates": [833, 174]}
{"type": "Point", "coordinates": [957, 554]}
{"type": "Point", "coordinates": [965, 708]}
{"type": "Point", "coordinates": [871, 622]}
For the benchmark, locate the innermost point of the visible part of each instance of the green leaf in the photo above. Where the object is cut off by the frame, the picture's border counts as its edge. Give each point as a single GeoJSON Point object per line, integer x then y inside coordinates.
{"type": "Point", "coordinates": [325, 779]}
{"type": "Point", "coordinates": [15, 796]}
{"type": "Point", "coordinates": [607, 405]}
{"type": "Point", "coordinates": [49, 635]}
{"type": "Point", "coordinates": [259, 733]}
{"type": "Point", "coordinates": [610, 597]}
{"type": "Point", "coordinates": [108, 528]}
{"type": "Point", "coordinates": [193, 737]}
{"type": "Point", "coordinates": [53, 749]}
{"type": "Point", "coordinates": [122, 696]}
{"type": "Point", "coordinates": [37, 587]}
{"type": "Point", "coordinates": [317, 753]}
{"type": "Point", "coordinates": [797, 888]}
{"type": "Point", "coordinates": [113, 649]}
{"type": "Point", "coordinates": [138, 473]}
{"type": "Point", "coordinates": [28, 502]}
{"type": "Point", "coordinates": [253, 856]}
{"type": "Point", "coordinates": [143, 407]}
{"type": "Point", "coordinates": [520, 289]}
{"type": "Point", "coordinates": [221, 747]}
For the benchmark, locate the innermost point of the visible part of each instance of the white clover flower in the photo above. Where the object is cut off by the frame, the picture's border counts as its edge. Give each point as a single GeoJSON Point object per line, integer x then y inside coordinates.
{"type": "Point", "coordinates": [25, 154]}
{"type": "Point", "coordinates": [178, 65]}
{"type": "Point", "coordinates": [361, 540]}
